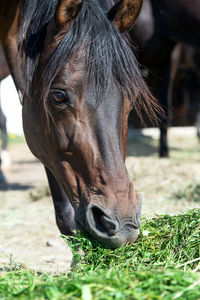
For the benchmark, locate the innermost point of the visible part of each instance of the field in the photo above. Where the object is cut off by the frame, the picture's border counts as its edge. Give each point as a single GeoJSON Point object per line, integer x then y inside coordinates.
{"type": "Point", "coordinates": [163, 264]}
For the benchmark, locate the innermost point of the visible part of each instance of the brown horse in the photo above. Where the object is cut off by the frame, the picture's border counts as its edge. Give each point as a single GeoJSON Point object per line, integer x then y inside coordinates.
{"type": "Point", "coordinates": [161, 25]}
{"type": "Point", "coordinates": [78, 79]}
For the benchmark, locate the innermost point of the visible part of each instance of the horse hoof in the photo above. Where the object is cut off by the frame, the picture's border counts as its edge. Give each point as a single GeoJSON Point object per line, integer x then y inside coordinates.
{"type": "Point", "coordinates": [163, 154]}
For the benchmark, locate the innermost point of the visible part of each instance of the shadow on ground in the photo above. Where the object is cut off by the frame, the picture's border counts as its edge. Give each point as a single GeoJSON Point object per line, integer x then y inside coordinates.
{"type": "Point", "coordinates": [139, 144]}
{"type": "Point", "coordinates": [5, 186]}
{"type": "Point", "coordinates": [30, 161]}
{"type": "Point", "coordinates": [14, 187]}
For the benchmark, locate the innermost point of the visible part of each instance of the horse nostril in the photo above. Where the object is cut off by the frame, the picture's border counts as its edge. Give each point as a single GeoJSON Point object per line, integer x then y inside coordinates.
{"type": "Point", "coordinates": [107, 229]}
{"type": "Point", "coordinates": [100, 221]}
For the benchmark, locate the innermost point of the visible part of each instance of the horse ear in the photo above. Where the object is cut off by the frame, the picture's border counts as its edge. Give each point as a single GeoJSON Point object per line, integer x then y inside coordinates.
{"type": "Point", "coordinates": [66, 11]}
{"type": "Point", "coordinates": [124, 14]}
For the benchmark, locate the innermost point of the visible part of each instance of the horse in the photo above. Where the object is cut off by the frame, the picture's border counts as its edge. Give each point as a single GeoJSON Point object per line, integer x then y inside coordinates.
{"type": "Point", "coordinates": [161, 25]}
{"type": "Point", "coordinates": [78, 79]}
{"type": "Point", "coordinates": [4, 157]}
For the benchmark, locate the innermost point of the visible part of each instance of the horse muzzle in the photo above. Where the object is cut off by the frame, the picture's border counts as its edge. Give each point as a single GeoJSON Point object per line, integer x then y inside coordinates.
{"type": "Point", "coordinates": [108, 229]}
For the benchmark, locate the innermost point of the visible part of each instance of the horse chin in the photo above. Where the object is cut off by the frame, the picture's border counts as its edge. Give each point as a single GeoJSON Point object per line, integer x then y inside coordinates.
{"type": "Point", "coordinates": [121, 239]}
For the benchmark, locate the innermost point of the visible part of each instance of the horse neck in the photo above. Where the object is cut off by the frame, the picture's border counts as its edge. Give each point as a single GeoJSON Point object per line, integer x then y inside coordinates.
{"type": "Point", "coordinates": [4, 71]}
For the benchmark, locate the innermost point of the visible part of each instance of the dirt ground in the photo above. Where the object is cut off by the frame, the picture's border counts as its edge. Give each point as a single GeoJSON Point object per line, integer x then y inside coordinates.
{"type": "Point", "coordinates": [28, 233]}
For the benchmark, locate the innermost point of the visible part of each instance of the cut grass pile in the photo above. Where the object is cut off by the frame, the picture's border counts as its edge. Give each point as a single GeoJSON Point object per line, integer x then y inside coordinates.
{"type": "Point", "coordinates": [166, 240]}
{"type": "Point", "coordinates": [162, 264]}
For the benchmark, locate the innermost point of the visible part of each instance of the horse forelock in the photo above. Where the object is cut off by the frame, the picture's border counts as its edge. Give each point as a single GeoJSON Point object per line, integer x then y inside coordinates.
{"type": "Point", "coordinates": [108, 53]}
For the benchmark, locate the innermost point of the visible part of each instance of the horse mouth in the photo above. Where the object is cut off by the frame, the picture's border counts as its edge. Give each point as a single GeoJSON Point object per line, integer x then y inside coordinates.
{"type": "Point", "coordinates": [128, 233]}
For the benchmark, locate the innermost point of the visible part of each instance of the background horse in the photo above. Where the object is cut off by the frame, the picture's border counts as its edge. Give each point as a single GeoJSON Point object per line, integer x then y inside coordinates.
{"type": "Point", "coordinates": [161, 25]}
{"type": "Point", "coordinates": [184, 86]}
{"type": "Point", "coordinates": [78, 80]}
{"type": "Point", "coordinates": [4, 156]}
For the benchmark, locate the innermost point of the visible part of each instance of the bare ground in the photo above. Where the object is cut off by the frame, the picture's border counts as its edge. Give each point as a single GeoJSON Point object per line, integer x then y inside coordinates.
{"type": "Point", "coordinates": [28, 233]}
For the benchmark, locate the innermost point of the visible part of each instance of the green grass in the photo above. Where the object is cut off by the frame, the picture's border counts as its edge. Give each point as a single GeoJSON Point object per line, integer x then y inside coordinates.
{"type": "Point", "coordinates": [102, 284]}
{"type": "Point", "coordinates": [158, 266]}
{"type": "Point", "coordinates": [14, 139]}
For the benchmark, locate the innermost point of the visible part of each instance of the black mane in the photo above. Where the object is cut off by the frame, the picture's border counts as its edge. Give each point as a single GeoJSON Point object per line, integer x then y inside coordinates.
{"type": "Point", "coordinates": [109, 56]}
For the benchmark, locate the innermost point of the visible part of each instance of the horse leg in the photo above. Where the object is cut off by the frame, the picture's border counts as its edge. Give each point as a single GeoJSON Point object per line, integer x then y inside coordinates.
{"type": "Point", "coordinates": [160, 90]}
{"type": "Point", "coordinates": [63, 209]}
{"type": "Point", "coordinates": [5, 157]}
{"type": "Point", "coordinates": [198, 125]}
{"type": "Point", "coordinates": [168, 72]}
{"type": "Point", "coordinates": [3, 130]}
{"type": "Point", "coordinates": [4, 143]}
{"type": "Point", "coordinates": [165, 101]}
{"type": "Point", "coordinates": [163, 146]}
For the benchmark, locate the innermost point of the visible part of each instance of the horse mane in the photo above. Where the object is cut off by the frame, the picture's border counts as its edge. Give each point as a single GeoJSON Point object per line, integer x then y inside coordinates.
{"type": "Point", "coordinates": [108, 52]}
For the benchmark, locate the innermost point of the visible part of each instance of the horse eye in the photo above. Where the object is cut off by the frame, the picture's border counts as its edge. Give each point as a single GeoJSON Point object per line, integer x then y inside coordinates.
{"type": "Point", "coordinates": [62, 98]}
{"type": "Point", "coordinates": [58, 96]}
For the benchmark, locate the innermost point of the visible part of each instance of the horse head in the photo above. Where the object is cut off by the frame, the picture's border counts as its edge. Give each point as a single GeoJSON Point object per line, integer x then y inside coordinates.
{"type": "Point", "coordinates": [81, 88]}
